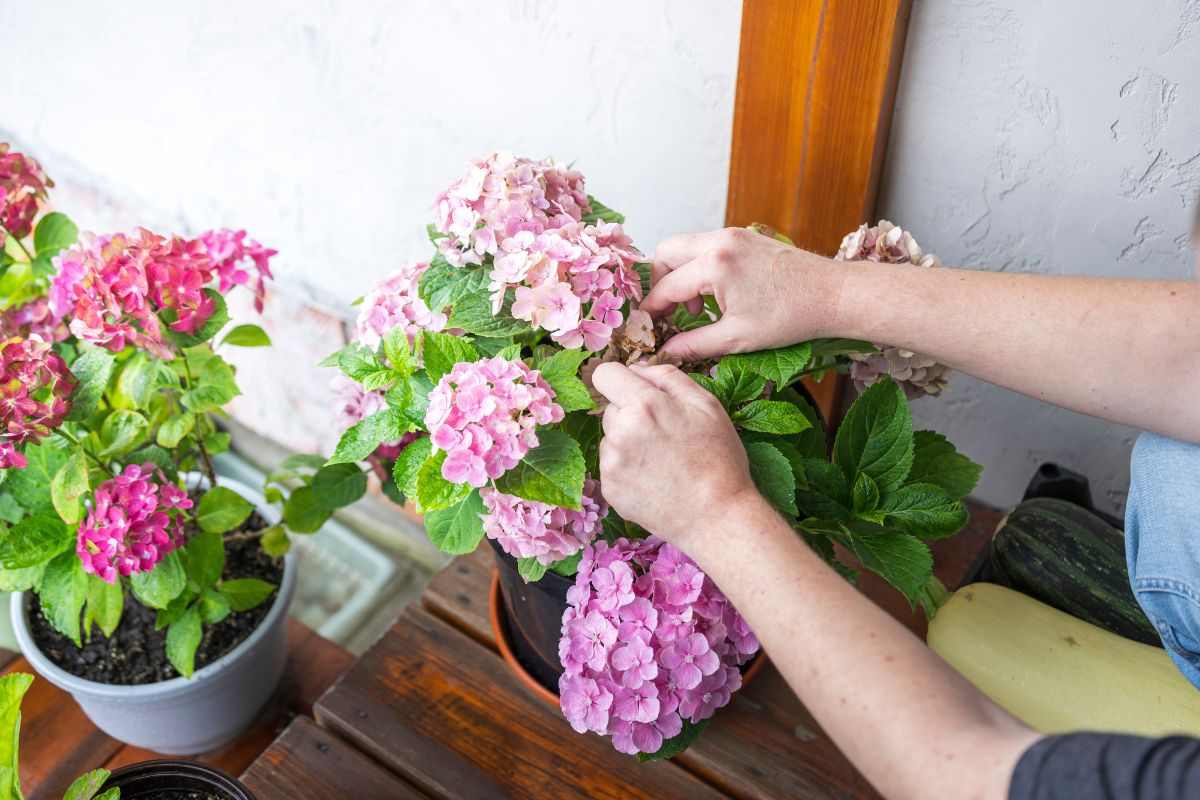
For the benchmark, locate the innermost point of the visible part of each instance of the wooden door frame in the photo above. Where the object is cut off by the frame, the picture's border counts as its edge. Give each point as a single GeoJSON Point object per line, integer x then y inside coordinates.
{"type": "Point", "coordinates": [815, 91]}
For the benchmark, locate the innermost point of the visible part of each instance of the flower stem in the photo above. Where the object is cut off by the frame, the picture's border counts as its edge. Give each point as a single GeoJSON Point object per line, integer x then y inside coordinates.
{"type": "Point", "coordinates": [20, 244]}
{"type": "Point", "coordinates": [62, 432]}
{"type": "Point", "coordinates": [208, 465]}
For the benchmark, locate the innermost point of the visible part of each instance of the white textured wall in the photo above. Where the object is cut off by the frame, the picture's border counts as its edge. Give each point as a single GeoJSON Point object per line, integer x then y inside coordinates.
{"type": "Point", "coordinates": [1057, 137]}
{"type": "Point", "coordinates": [326, 128]}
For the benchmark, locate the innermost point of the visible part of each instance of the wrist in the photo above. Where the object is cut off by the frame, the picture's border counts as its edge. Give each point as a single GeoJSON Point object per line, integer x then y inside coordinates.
{"type": "Point", "coordinates": [741, 514]}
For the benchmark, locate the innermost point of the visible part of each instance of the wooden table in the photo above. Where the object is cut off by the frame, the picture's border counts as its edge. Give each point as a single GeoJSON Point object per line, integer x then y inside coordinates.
{"type": "Point", "coordinates": [431, 710]}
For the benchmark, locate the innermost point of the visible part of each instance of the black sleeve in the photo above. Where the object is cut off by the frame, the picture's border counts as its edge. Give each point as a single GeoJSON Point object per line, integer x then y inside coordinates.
{"type": "Point", "coordinates": [1107, 766]}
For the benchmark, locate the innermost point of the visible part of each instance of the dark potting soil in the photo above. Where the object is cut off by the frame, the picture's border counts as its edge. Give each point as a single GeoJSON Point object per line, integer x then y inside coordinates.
{"type": "Point", "coordinates": [136, 653]}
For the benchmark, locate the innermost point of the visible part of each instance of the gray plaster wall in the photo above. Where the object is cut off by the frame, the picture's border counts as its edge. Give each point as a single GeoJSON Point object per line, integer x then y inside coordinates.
{"type": "Point", "coordinates": [1052, 137]}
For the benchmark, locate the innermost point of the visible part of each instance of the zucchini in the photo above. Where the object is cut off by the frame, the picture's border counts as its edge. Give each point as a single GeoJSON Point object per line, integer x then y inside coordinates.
{"type": "Point", "coordinates": [1058, 673]}
{"type": "Point", "coordinates": [1068, 558]}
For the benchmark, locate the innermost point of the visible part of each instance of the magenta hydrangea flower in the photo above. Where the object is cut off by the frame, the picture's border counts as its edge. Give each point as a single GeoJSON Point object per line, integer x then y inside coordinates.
{"type": "Point", "coordinates": [396, 302]}
{"type": "Point", "coordinates": [529, 529]}
{"type": "Point", "coordinates": [10, 457]}
{"type": "Point", "coordinates": [484, 415]}
{"type": "Point", "coordinates": [35, 392]}
{"type": "Point", "coordinates": [648, 642]}
{"type": "Point", "coordinates": [525, 218]}
{"type": "Point", "coordinates": [135, 519]}
{"type": "Point", "coordinates": [35, 318]}
{"type": "Point", "coordinates": [232, 255]}
{"type": "Point", "coordinates": [23, 186]}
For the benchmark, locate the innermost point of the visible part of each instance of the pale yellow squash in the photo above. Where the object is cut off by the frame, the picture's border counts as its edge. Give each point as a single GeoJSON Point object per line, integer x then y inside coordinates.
{"type": "Point", "coordinates": [1059, 673]}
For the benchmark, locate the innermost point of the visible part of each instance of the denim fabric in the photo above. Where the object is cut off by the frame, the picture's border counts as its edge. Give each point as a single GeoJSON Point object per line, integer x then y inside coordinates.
{"type": "Point", "coordinates": [1162, 543]}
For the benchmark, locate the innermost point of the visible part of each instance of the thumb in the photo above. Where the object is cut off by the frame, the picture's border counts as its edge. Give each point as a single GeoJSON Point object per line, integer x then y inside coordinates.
{"type": "Point", "coordinates": [710, 341]}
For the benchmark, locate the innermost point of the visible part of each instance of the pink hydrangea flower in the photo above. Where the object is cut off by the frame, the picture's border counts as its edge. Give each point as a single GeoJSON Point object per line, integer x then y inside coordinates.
{"type": "Point", "coordinates": [233, 255]}
{"type": "Point", "coordinates": [648, 642]}
{"type": "Point", "coordinates": [10, 457]}
{"type": "Point", "coordinates": [35, 318]}
{"type": "Point", "coordinates": [23, 187]}
{"type": "Point", "coordinates": [529, 529]}
{"type": "Point", "coordinates": [136, 518]}
{"type": "Point", "coordinates": [485, 414]}
{"type": "Point", "coordinates": [35, 392]}
{"type": "Point", "coordinates": [396, 302]}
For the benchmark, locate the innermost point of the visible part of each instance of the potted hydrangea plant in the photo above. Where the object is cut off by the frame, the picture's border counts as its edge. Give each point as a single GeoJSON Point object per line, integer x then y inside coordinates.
{"type": "Point", "coordinates": [473, 368]}
{"type": "Point", "coordinates": [147, 779]}
{"type": "Point", "coordinates": [149, 587]}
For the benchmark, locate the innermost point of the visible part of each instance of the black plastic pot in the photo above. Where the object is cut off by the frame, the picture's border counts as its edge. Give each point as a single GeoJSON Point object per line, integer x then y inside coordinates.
{"type": "Point", "coordinates": [533, 615]}
{"type": "Point", "coordinates": [152, 780]}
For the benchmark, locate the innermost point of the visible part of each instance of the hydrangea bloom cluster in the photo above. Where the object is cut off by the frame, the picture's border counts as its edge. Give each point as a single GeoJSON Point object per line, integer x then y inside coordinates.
{"type": "Point", "coordinates": [232, 255]}
{"type": "Point", "coordinates": [394, 302]}
{"type": "Point", "coordinates": [136, 518]}
{"type": "Point", "coordinates": [34, 318]}
{"type": "Point", "coordinates": [648, 642]}
{"type": "Point", "coordinates": [112, 288]}
{"type": "Point", "coordinates": [22, 190]}
{"type": "Point", "coordinates": [35, 392]}
{"type": "Point", "coordinates": [916, 374]}
{"type": "Point", "coordinates": [529, 529]}
{"type": "Point", "coordinates": [484, 415]}
{"type": "Point", "coordinates": [570, 278]}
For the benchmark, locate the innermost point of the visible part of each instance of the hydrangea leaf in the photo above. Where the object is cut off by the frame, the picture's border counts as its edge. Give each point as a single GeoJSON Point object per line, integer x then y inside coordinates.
{"type": "Point", "coordinates": [204, 558]}
{"type": "Point", "coordinates": [68, 485]}
{"type": "Point", "coordinates": [418, 388]}
{"type": "Point", "coordinates": [171, 432]}
{"type": "Point", "coordinates": [244, 594]}
{"type": "Point", "coordinates": [361, 439]}
{"type": "Point", "coordinates": [158, 587]}
{"type": "Point", "coordinates": [105, 603]}
{"type": "Point", "coordinates": [442, 351]}
{"type": "Point", "coordinates": [275, 541]}
{"type": "Point", "coordinates": [865, 495]}
{"type": "Point", "coordinates": [122, 431]}
{"type": "Point", "coordinates": [10, 510]}
{"type": "Point", "coordinates": [530, 569]}
{"type": "Point", "coordinates": [21, 580]}
{"type": "Point", "coordinates": [183, 637]}
{"type": "Point", "coordinates": [247, 335]}
{"type": "Point", "coordinates": [87, 785]}
{"type": "Point", "coordinates": [339, 485]}
{"type": "Point", "coordinates": [772, 474]}
{"type": "Point", "coordinates": [214, 606]}
{"type": "Point", "coordinates": [303, 513]}
{"type": "Point", "coordinates": [357, 362]}
{"type": "Point", "coordinates": [54, 233]}
{"type": "Point", "coordinates": [936, 461]}
{"type": "Point", "coordinates": [222, 509]}
{"type": "Point", "coordinates": [779, 366]}
{"type": "Point", "coordinates": [601, 213]}
{"type": "Point", "coordinates": [398, 351]}
{"type": "Point", "coordinates": [925, 510]}
{"type": "Point", "coordinates": [13, 687]}
{"type": "Point", "coordinates": [434, 492]}
{"type": "Point", "coordinates": [568, 566]}
{"type": "Point", "coordinates": [457, 530]}
{"type": "Point", "coordinates": [824, 492]}
{"type": "Point", "coordinates": [771, 416]}
{"type": "Point", "coordinates": [678, 743]}
{"type": "Point", "coordinates": [213, 383]}
{"type": "Point", "coordinates": [902, 560]}
{"type": "Point", "coordinates": [876, 437]}
{"type": "Point", "coordinates": [473, 314]}
{"type": "Point", "coordinates": [135, 382]}
{"type": "Point", "coordinates": [62, 593]}
{"type": "Point", "coordinates": [31, 486]}
{"type": "Point", "coordinates": [828, 348]}
{"type": "Point", "coordinates": [408, 464]}
{"type": "Point", "coordinates": [585, 429]}
{"type": "Point", "coordinates": [441, 285]}
{"type": "Point", "coordinates": [561, 372]}
{"type": "Point", "coordinates": [735, 385]}
{"type": "Point", "coordinates": [552, 472]}
{"type": "Point", "coordinates": [217, 442]}
{"type": "Point", "coordinates": [811, 441]}
{"type": "Point", "coordinates": [93, 369]}
{"type": "Point", "coordinates": [34, 540]}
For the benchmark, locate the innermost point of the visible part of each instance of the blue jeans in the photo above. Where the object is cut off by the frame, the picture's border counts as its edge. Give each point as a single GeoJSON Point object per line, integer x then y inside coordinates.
{"type": "Point", "coordinates": [1162, 543]}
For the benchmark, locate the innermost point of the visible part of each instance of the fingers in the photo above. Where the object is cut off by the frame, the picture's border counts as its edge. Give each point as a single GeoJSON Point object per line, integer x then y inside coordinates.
{"type": "Point", "coordinates": [670, 379]}
{"type": "Point", "coordinates": [619, 384]}
{"type": "Point", "coordinates": [660, 270]}
{"type": "Point", "coordinates": [710, 341]}
{"type": "Point", "coordinates": [682, 285]}
{"type": "Point", "coordinates": [679, 250]}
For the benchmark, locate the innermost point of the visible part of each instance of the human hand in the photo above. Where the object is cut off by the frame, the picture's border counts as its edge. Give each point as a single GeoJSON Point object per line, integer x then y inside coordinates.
{"type": "Point", "coordinates": [670, 460]}
{"type": "Point", "coordinates": [770, 293]}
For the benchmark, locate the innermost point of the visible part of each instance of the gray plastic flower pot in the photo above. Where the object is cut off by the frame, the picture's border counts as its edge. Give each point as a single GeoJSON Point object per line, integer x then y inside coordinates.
{"type": "Point", "coordinates": [184, 716]}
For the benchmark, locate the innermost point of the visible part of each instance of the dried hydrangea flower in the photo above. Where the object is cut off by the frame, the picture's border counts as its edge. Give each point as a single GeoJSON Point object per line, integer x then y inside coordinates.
{"type": "Point", "coordinates": [23, 186]}
{"type": "Point", "coordinates": [916, 374]}
{"type": "Point", "coordinates": [529, 529]}
{"type": "Point", "coordinates": [35, 390]}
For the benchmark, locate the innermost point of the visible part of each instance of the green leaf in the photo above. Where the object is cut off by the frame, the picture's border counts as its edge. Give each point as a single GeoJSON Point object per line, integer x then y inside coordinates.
{"type": "Point", "coordinates": [511, 352]}
{"type": "Point", "coordinates": [457, 530]}
{"type": "Point", "coordinates": [772, 474]}
{"type": "Point", "coordinates": [678, 743]}
{"type": "Point", "coordinates": [585, 429]}
{"type": "Point", "coordinates": [828, 348]}
{"type": "Point", "coordinates": [779, 366]}
{"type": "Point", "coordinates": [443, 285]}
{"type": "Point", "coordinates": [936, 461]}
{"type": "Point", "coordinates": [156, 456]}
{"type": "Point", "coordinates": [408, 465]}
{"type": "Point", "coordinates": [275, 541]}
{"type": "Point", "coordinates": [204, 558]}
{"type": "Point", "coordinates": [213, 386]}
{"type": "Point", "coordinates": [338, 485]}
{"type": "Point", "coordinates": [21, 580]}
{"type": "Point", "coordinates": [473, 314]}
{"type": "Point", "coordinates": [33, 541]}
{"type": "Point", "coordinates": [811, 441]}
{"type": "Point", "coordinates": [62, 593]}
{"type": "Point", "coordinates": [360, 440]}
{"type": "Point", "coordinates": [601, 213]}
{"type": "Point", "coordinates": [222, 509]}
{"type": "Point", "coordinates": [10, 510]}
{"type": "Point", "coordinates": [419, 387]}
{"type": "Point", "coordinates": [530, 569]}
{"type": "Point", "coordinates": [303, 512]}
{"type": "Point", "coordinates": [172, 431]}
{"type": "Point", "coordinates": [735, 384]}
{"type": "Point", "coordinates": [112, 794]}
{"type": "Point", "coordinates": [435, 492]}
{"type": "Point", "coordinates": [902, 560]}
{"type": "Point", "coordinates": [93, 369]}
{"type": "Point", "coordinates": [87, 785]}
{"type": "Point", "coordinates": [158, 587]}
{"type": "Point", "coordinates": [105, 602]}
{"type": "Point", "coordinates": [925, 510]}
{"type": "Point", "coordinates": [552, 472]}
{"type": "Point", "coordinates": [247, 336]}
{"type": "Point", "coordinates": [69, 484]}
{"type": "Point", "coordinates": [211, 327]}
{"type": "Point", "coordinates": [398, 351]}
{"type": "Point", "coordinates": [136, 381]}
{"type": "Point", "coordinates": [244, 594]}
{"type": "Point", "coordinates": [876, 437]}
{"type": "Point", "coordinates": [442, 351]}
{"type": "Point", "coordinates": [13, 687]}
{"type": "Point", "coordinates": [122, 431]}
{"type": "Point", "coordinates": [54, 233]}
{"type": "Point", "coordinates": [771, 416]}
{"type": "Point", "coordinates": [568, 566]}
{"type": "Point", "coordinates": [217, 442]}
{"type": "Point", "coordinates": [174, 609]}
{"type": "Point", "coordinates": [183, 637]}
{"type": "Point", "coordinates": [214, 606]}
{"type": "Point", "coordinates": [865, 494]}
{"type": "Point", "coordinates": [31, 486]}
{"type": "Point", "coordinates": [561, 372]}
{"type": "Point", "coordinates": [823, 492]}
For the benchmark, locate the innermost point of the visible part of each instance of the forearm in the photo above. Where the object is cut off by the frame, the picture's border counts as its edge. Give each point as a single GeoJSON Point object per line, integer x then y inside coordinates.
{"type": "Point", "coordinates": [1124, 350]}
{"type": "Point", "coordinates": [913, 726]}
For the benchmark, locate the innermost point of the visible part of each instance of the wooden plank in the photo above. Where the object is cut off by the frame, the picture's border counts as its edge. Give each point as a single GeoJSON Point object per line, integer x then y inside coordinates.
{"type": "Point", "coordinates": [459, 594]}
{"type": "Point", "coordinates": [307, 761]}
{"type": "Point", "coordinates": [445, 712]}
{"type": "Point", "coordinates": [6, 657]}
{"type": "Point", "coordinates": [816, 84]}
